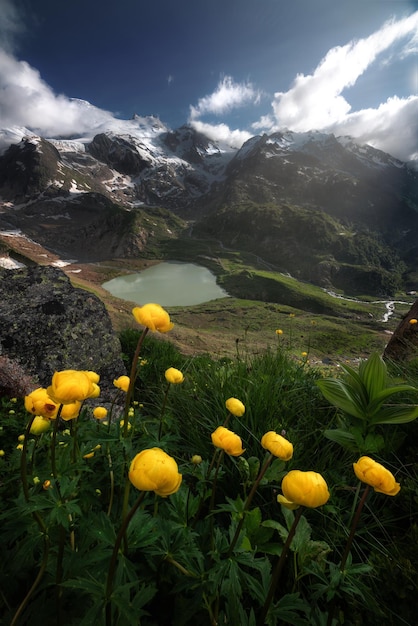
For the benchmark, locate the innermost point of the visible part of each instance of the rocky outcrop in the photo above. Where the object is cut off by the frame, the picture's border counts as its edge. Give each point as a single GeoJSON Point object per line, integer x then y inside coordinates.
{"type": "Point", "coordinates": [403, 345]}
{"type": "Point", "coordinates": [46, 325]}
{"type": "Point", "coordinates": [118, 153]}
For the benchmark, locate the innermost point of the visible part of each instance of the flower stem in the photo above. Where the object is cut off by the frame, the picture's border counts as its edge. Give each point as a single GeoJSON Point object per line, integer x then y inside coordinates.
{"type": "Point", "coordinates": [160, 429]}
{"type": "Point", "coordinates": [248, 502]}
{"type": "Point", "coordinates": [279, 568]}
{"type": "Point", "coordinates": [114, 558]}
{"type": "Point", "coordinates": [54, 444]}
{"type": "Point", "coordinates": [132, 379]}
{"type": "Point", "coordinates": [348, 547]}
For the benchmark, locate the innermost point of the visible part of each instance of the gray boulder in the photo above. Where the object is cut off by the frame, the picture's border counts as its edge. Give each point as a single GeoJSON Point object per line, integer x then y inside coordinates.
{"type": "Point", "coordinates": [47, 325]}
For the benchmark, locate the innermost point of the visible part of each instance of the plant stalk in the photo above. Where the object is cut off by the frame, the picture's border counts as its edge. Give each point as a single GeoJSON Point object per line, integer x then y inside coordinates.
{"type": "Point", "coordinates": [279, 568]}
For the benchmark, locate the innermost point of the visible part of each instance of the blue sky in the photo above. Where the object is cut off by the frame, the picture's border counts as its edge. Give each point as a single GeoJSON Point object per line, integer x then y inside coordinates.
{"type": "Point", "coordinates": [231, 68]}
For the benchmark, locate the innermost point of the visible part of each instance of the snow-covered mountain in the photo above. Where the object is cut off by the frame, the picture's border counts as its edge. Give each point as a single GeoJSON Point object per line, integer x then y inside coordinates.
{"type": "Point", "coordinates": [64, 191]}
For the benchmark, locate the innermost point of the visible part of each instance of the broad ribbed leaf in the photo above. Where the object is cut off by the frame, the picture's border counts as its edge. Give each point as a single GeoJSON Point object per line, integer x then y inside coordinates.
{"type": "Point", "coordinates": [373, 373]}
{"type": "Point", "coordinates": [338, 394]}
{"type": "Point", "coordinates": [387, 393]}
{"type": "Point", "coordinates": [396, 414]}
{"type": "Point", "coordinates": [342, 437]}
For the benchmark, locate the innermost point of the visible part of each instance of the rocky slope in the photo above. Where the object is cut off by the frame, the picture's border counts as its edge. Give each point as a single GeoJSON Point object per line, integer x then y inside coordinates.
{"type": "Point", "coordinates": [320, 207]}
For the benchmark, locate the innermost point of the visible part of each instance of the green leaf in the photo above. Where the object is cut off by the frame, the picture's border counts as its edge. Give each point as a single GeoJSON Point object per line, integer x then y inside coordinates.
{"type": "Point", "coordinates": [344, 398]}
{"type": "Point", "coordinates": [373, 373]}
{"type": "Point", "coordinates": [343, 438]}
{"type": "Point", "coordinates": [387, 393]}
{"type": "Point", "coordinates": [396, 415]}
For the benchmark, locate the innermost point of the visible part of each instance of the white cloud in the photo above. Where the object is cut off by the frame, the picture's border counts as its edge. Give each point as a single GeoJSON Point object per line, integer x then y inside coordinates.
{"type": "Point", "coordinates": [227, 96]}
{"type": "Point", "coordinates": [222, 133]}
{"type": "Point", "coordinates": [316, 101]}
{"type": "Point", "coordinates": [26, 100]}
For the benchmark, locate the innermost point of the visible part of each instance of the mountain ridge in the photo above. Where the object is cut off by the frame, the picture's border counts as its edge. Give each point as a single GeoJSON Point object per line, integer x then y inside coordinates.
{"type": "Point", "coordinates": [305, 187]}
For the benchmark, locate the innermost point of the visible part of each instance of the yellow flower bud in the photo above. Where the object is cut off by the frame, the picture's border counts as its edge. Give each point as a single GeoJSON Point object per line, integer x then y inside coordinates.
{"type": "Point", "coordinates": [122, 383]}
{"type": "Point", "coordinates": [154, 470]}
{"type": "Point", "coordinates": [99, 412]}
{"type": "Point", "coordinates": [2, 453]}
{"type": "Point", "coordinates": [228, 441]}
{"type": "Point", "coordinates": [19, 446]}
{"type": "Point", "coordinates": [413, 321]}
{"type": "Point", "coordinates": [46, 485]}
{"type": "Point", "coordinates": [279, 331]}
{"type": "Point", "coordinates": [235, 407]}
{"type": "Point", "coordinates": [122, 424]}
{"type": "Point", "coordinates": [196, 459]}
{"type": "Point", "coordinates": [89, 455]}
{"type": "Point", "coordinates": [36, 480]}
{"type": "Point", "coordinates": [40, 425]}
{"type": "Point", "coordinates": [21, 438]}
{"type": "Point", "coordinates": [376, 475]}
{"type": "Point", "coordinates": [277, 445]}
{"type": "Point", "coordinates": [153, 316]}
{"type": "Point", "coordinates": [303, 489]}
{"type": "Point", "coordinates": [173, 376]}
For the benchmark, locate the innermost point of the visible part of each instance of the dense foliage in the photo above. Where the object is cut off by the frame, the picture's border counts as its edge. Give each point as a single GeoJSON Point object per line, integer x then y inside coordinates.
{"type": "Point", "coordinates": [97, 527]}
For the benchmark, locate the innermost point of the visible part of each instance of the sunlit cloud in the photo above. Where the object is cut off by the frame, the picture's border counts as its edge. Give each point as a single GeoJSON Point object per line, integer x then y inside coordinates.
{"type": "Point", "coordinates": [222, 133]}
{"type": "Point", "coordinates": [316, 101]}
{"type": "Point", "coordinates": [26, 100]}
{"type": "Point", "coordinates": [227, 96]}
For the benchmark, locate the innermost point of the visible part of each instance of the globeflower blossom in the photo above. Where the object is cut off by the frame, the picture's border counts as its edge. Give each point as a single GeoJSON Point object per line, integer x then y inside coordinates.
{"type": "Point", "coordinates": [228, 441]}
{"type": "Point", "coordinates": [154, 470]}
{"type": "Point", "coordinates": [376, 475]}
{"type": "Point", "coordinates": [122, 383]}
{"type": "Point", "coordinates": [235, 407]}
{"type": "Point", "coordinates": [38, 402]}
{"type": "Point", "coordinates": [69, 386]}
{"type": "Point", "coordinates": [277, 445]}
{"type": "Point", "coordinates": [303, 489]}
{"type": "Point", "coordinates": [70, 411]}
{"type": "Point", "coordinates": [174, 376]}
{"type": "Point", "coordinates": [153, 317]}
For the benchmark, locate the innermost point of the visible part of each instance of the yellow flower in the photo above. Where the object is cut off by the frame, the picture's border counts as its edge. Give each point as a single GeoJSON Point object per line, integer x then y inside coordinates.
{"type": "Point", "coordinates": [413, 320]}
{"type": "Point", "coordinates": [19, 446]}
{"type": "Point", "coordinates": [46, 485]}
{"type": "Point", "coordinates": [122, 424]}
{"type": "Point", "coordinates": [303, 489]}
{"type": "Point", "coordinates": [99, 412]}
{"type": "Point", "coordinates": [70, 411]}
{"type": "Point", "coordinates": [228, 441]}
{"type": "Point", "coordinates": [196, 459]}
{"type": "Point", "coordinates": [235, 407]}
{"type": "Point", "coordinates": [304, 354]}
{"type": "Point", "coordinates": [2, 453]}
{"type": "Point", "coordinates": [153, 316]}
{"type": "Point", "coordinates": [374, 474]}
{"type": "Point", "coordinates": [154, 470]}
{"type": "Point", "coordinates": [40, 425]}
{"type": "Point", "coordinates": [38, 402]}
{"type": "Point", "coordinates": [277, 445]}
{"type": "Point", "coordinates": [279, 331]}
{"type": "Point", "coordinates": [174, 376]}
{"type": "Point", "coordinates": [68, 386]}
{"type": "Point", "coordinates": [21, 438]}
{"type": "Point", "coordinates": [36, 480]}
{"type": "Point", "coordinates": [122, 382]}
